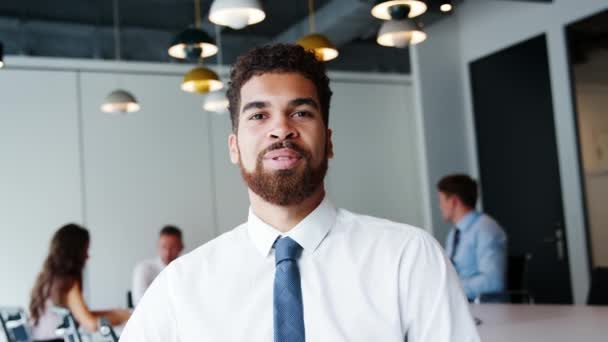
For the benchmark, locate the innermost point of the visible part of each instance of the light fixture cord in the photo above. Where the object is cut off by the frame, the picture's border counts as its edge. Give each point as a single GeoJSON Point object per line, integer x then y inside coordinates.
{"type": "Point", "coordinates": [218, 39]}
{"type": "Point", "coordinates": [197, 13]}
{"type": "Point", "coordinates": [116, 31]}
{"type": "Point", "coordinates": [311, 15]}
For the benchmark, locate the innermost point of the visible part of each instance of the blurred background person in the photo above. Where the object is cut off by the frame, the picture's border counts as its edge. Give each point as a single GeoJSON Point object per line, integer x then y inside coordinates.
{"type": "Point", "coordinates": [477, 245]}
{"type": "Point", "coordinates": [169, 247]}
{"type": "Point", "coordinates": [60, 284]}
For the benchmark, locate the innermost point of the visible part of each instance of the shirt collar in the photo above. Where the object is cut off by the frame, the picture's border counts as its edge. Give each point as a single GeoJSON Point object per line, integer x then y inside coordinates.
{"type": "Point", "coordinates": [467, 220]}
{"type": "Point", "coordinates": [308, 233]}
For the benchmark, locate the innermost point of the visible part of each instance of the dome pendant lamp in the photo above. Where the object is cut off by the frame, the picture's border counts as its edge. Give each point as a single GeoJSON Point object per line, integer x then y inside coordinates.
{"type": "Point", "coordinates": [400, 33]}
{"type": "Point", "coordinates": [193, 42]}
{"type": "Point", "coordinates": [323, 48]}
{"type": "Point", "coordinates": [201, 80]}
{"type": "Point", "coordinates": [386, 10]}
{"type": "Point", "coordinates": [236, 14]}
{"type": "Point", "coordinates": [119, 100]}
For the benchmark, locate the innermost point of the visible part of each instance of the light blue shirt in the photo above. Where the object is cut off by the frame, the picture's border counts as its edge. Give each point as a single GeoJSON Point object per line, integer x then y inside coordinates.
{"type": "Point", "coordinates": [480, 258]}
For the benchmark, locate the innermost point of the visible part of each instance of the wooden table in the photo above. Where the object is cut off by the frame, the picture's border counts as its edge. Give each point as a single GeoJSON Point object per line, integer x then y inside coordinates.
{"type": "Point", "coordinates": [540, 323]}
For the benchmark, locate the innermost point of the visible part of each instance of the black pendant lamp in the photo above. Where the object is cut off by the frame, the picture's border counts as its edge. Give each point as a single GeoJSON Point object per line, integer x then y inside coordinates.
{"type": "Point", "coordinates": [193, 42]}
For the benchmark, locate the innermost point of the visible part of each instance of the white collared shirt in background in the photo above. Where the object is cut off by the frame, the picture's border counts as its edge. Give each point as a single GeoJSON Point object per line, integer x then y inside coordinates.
{"type": "Point", "coordinates": [363, 279]}
{"type": "Point", "coordinates": [143, 275]}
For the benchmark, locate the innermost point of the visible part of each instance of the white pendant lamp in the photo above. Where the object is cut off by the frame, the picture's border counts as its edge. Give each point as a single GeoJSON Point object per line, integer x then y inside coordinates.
{"type": "Point", "coordinates": [400, 33]}
{"type": "Point", "coordinates": [216, 102]}
{"type": "Point", "coordinates": [119, 101]}
{"type": "Point", "coordinates": [236, 14]}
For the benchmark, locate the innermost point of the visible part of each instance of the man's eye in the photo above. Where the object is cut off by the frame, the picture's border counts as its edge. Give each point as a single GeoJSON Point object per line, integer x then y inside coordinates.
{"type": "Point", "coordinates": [257, 116]}
{"type": "Point", "coordinates": [301, 114]}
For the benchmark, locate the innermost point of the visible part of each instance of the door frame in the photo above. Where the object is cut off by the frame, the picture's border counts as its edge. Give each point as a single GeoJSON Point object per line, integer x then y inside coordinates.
{"type": "Point", "coordinates": [567, 148]}
{"type": "Point", "coordinates": [583, 186]}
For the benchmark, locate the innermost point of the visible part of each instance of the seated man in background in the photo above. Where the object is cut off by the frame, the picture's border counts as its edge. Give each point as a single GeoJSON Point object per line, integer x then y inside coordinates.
{"type": "Point", "coordinates": [169, 247]}
{"type": "Point", "coordinates": [477, 245]}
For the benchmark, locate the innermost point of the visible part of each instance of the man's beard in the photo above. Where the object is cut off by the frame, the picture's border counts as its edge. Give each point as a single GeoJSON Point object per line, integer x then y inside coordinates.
{"type": "Point", "coordinates": [285, 187]}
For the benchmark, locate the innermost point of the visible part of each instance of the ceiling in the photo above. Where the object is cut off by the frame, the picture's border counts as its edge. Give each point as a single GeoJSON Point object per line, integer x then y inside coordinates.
{"type": "Point", "coordinates": [84, 29]}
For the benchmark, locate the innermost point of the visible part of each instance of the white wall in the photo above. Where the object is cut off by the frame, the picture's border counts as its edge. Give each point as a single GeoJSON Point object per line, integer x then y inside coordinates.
{"type": "Point", "coordinates": [481, 28]}
{"type": "Point", "coordinates": [376, 169]}
{"type": "Point", "coordinates": [125, 176]}
{"type": "Point", "coordinates": [40, 184]}
{"type": "Point", "coordinates": [437, 75]}
{"type": "Point", "coordinates": [142, 171]}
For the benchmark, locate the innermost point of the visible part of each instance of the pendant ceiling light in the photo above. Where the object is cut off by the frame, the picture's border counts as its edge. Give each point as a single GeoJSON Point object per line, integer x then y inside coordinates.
{"type": "Point", "coordinates": [236, 14]}
{"type": "Point", "coordinates": [323, 48]}
{"type": "Point", "coordinates": [216, 101]}
{"type": "Point", "coordinates": [193, 42]}
{"type": "Point", "coordinates": [446, 6]}
{"type": "Point", "coordinates": [400, 33]}
{"type": "Point", "coordinates": [201, 80]}
{"type": "Point", "coordinates": [1, 56]}
{"type": "Point", "coordinates": [386, 10]}
{"type": "Point", "coordinates": [119, 101]}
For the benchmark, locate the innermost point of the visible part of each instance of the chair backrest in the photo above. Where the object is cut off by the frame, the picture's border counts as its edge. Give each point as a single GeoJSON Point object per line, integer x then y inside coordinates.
{"type": "Point", "coordinates": [68, 328]}
{"type": "Point", "coordinates": [106, 330]}
{"type": "Point", "coordinates": [14, 324]}
{"type": "Point", "coordinates": [130, 300]}
{"type": "Point", "coordinates": [598, 292]}
{"type": "Point", "coordinates": [517, 283]}
{"type": "Point", "coordinates": [517, 272]}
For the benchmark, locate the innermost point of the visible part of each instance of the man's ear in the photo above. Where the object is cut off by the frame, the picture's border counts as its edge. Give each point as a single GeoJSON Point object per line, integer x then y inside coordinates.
{"type": "Point", "coordinates": [330, 144]}
{"type": "Point", "coordinates": [233, 148]}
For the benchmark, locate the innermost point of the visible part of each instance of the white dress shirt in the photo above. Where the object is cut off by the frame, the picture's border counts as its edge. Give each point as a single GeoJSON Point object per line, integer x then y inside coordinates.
{"type": "Point", "coordinates": [363, 279]}
{"type": "Point", "coordinates": [143, 275]}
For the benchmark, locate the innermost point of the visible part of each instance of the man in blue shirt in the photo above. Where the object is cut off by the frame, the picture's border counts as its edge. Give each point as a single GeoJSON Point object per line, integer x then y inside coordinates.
{"type": "Point", "coordinates": [477, 245]}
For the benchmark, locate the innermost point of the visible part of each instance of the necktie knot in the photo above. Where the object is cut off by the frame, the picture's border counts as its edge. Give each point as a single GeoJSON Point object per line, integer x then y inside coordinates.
{"type": "Point", "coordinates": [286, 249]}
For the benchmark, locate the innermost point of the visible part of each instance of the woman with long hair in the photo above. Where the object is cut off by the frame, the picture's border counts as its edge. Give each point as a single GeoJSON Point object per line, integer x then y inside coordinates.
{"type": "Point", "coordinates": [60, 284]}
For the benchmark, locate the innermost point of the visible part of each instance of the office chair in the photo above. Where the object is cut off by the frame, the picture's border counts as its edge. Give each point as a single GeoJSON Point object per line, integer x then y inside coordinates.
{"type": "Point", "coordinates": [517, 283]}
{"type": "Point", "coordinates": [14, 324]}
{"type": "Point", "coordinates": [130, 300]}
{"type": "Point", "coordinates": [106, 330]}
{"type": "Point", "coordinates": [598, 291]}
{"type": "Point", "coordinates": [68, 329]}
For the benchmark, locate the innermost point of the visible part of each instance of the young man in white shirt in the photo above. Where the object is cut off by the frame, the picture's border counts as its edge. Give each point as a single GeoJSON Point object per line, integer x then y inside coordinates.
{"type": "Point", "coordinates": [168, 248]}
{"type": "Point", "coordinates": [299, 269]}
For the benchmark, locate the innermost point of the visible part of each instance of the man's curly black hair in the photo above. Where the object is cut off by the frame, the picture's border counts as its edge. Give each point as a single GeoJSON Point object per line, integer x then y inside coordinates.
{"type": "Point", "coordinates": [278, 58]}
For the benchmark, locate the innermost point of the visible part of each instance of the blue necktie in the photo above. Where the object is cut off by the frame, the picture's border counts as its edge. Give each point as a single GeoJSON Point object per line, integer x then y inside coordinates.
{"type": "Point", "coordinates": [455, 244]}
{"type": "Point", "coordinates": [288, 312]}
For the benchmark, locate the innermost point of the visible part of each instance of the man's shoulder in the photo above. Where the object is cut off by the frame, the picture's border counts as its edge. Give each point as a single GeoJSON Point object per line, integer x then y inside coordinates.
{"type": "Point", "coordinates": [380, 227]}
{"type": "Point", "coordinates": [488, 225]}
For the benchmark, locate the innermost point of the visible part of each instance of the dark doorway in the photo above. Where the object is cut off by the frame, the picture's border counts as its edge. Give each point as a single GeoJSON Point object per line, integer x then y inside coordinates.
{"type": "Point", "coordinates": [519, 171]}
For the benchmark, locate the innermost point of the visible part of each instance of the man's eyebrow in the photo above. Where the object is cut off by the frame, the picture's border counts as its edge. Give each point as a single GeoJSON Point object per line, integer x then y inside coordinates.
{"type": "Point", "coordinates": [304, 101]}
{"type": "Point", "coordinates": [255, 104]}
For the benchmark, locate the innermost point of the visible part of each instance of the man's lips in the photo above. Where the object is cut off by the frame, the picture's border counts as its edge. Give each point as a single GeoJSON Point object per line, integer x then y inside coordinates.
{"type": "Point", "coordinates": [282, 159]}
{"type": "Point", "coordinates": [282, 154]}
